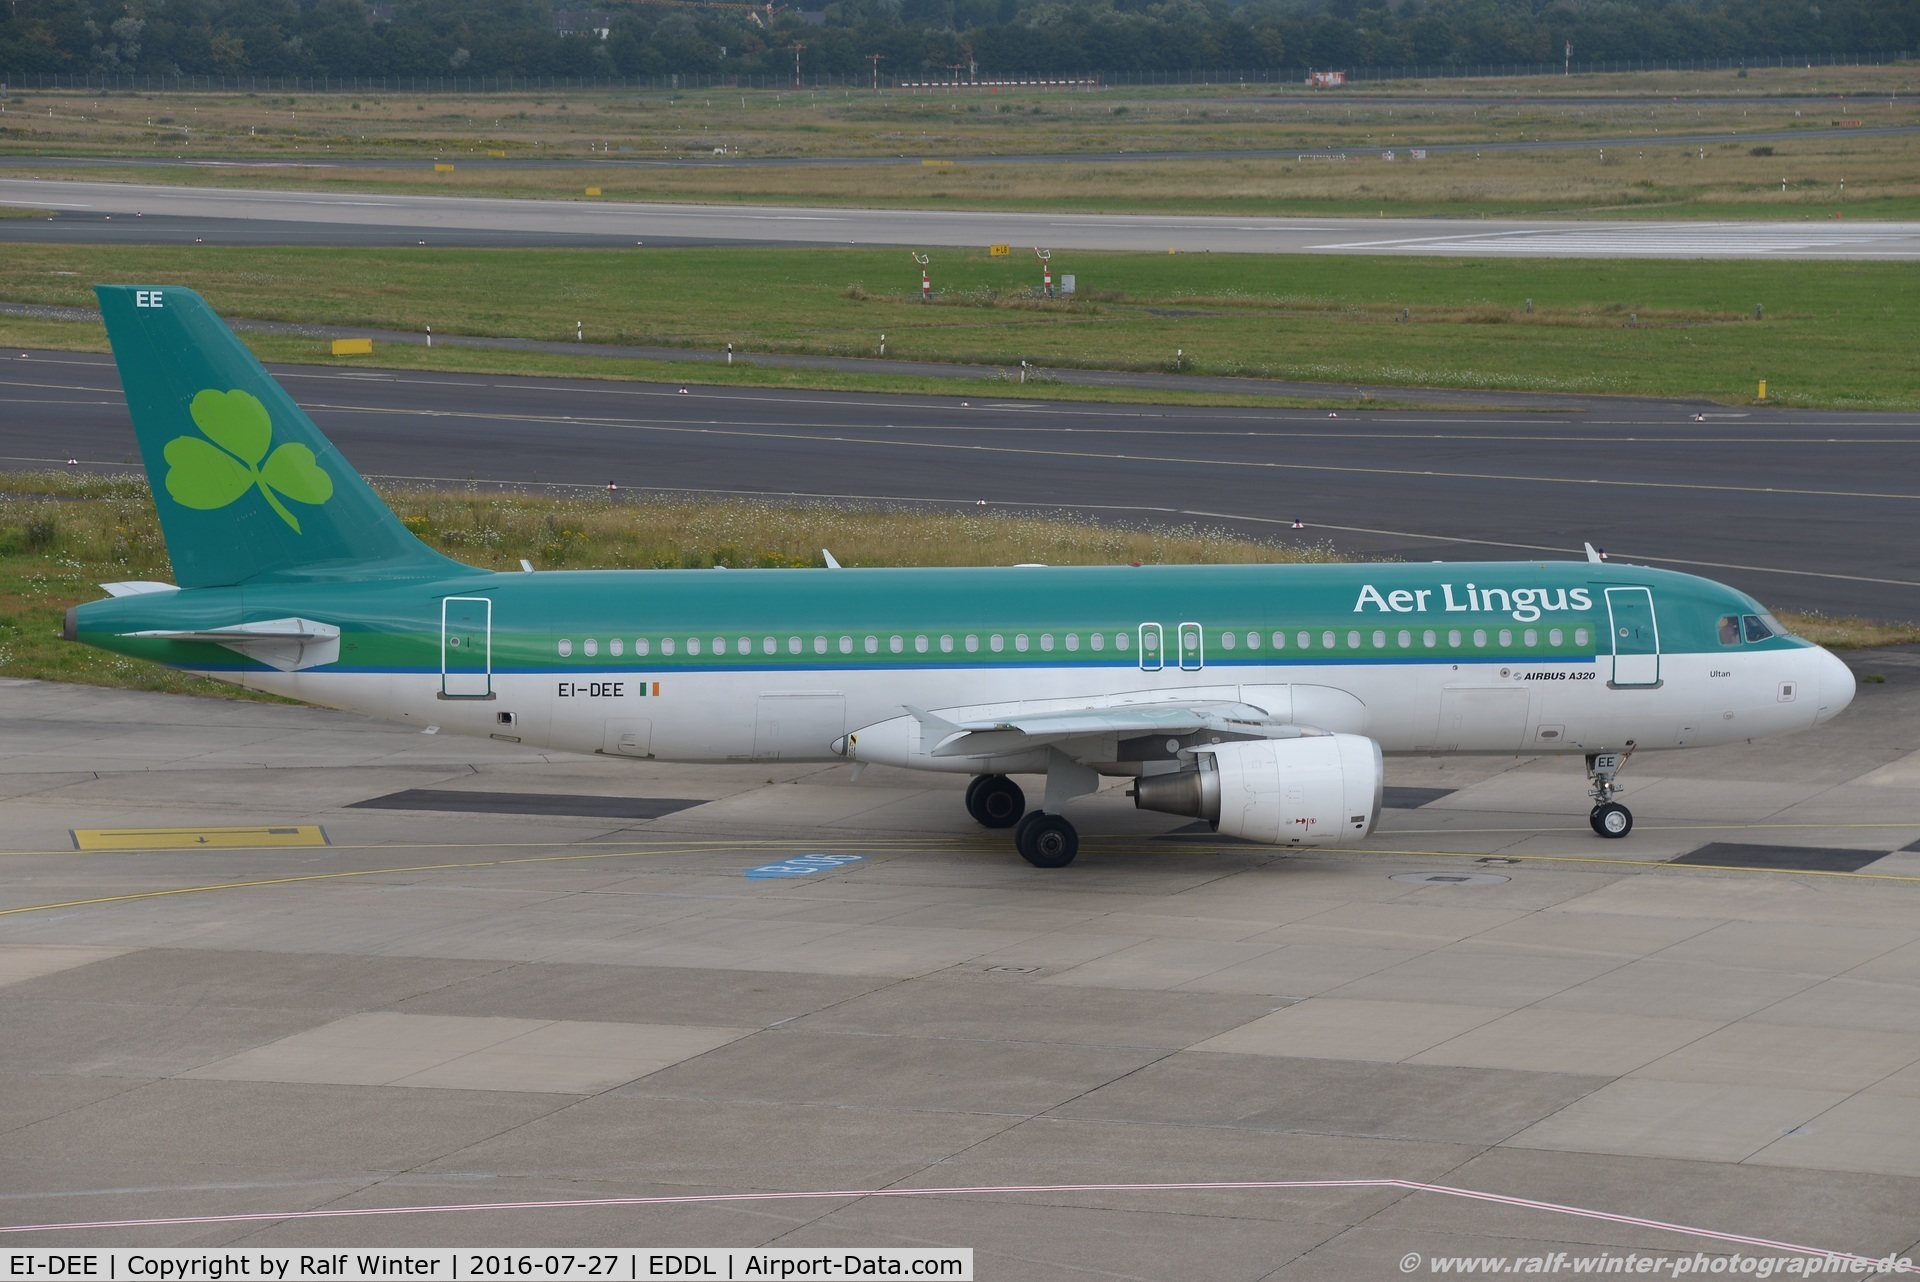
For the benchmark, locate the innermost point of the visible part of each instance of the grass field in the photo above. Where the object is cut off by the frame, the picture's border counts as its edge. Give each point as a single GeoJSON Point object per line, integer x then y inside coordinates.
{"type": "Point", "coordinates": [62, 535]}
{"type": "Point", "coordinates": [85, 336]}
{"type": "Point", "coordinates": [600, 138]}
{"type": "Point", "coordinates": [1834, 334]}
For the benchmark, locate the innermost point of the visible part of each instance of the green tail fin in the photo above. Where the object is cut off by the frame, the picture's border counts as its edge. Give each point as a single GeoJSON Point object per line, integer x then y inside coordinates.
{"type": "Point", "coordinates": [246, 486]}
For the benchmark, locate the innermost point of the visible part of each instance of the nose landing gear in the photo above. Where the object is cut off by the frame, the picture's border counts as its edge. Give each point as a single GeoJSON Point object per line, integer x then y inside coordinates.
{"type": "Point", "coordinates": [1609, 818]}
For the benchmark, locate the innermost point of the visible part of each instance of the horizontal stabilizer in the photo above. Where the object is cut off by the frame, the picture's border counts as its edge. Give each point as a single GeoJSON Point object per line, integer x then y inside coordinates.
{"type": "Point", "coordinates": [137, 587]}
{"type": "Point", "coordinates": [288, 645]}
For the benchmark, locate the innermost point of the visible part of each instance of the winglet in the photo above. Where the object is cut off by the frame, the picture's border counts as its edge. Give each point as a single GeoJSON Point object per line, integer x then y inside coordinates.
{"type": "Point", "coordinates": [831, 563]}
{"type": "Point", "coordinates": [1593, 554]}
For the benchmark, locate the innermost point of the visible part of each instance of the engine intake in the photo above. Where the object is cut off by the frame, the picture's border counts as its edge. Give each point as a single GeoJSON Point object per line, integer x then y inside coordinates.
{"type": "Point", "coordinates": [1319, 791]}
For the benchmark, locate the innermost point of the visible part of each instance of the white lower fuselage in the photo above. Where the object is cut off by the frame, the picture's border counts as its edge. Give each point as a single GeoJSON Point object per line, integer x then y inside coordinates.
{"type": "Point", "coordinates": [1408, 707]}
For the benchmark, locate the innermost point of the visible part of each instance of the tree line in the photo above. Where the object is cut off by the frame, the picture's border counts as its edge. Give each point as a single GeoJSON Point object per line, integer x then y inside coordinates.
{"type": "Point", "coordinates": [915, 39]}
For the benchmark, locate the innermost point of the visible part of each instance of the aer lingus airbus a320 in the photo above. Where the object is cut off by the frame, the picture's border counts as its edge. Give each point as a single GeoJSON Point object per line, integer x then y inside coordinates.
{"type": "Point", "coordinates": [1257, 697]}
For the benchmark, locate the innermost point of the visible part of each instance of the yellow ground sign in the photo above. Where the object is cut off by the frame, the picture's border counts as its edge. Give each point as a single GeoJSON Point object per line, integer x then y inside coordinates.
{"type": "Point", "coordinates": [443, 169]}
{"type": "Point", "coordinates": [352, 346]}
{"type": "Point", "coordinates": [492, 152]}
{"type": "Point", "coordinates": [593, 191]}
{"type": "Point", "coordinates": [199, 838]}
{"type": "Point", "coordinates": [937, 164]}
{"type": "Point", "coordinates": [999, 251]}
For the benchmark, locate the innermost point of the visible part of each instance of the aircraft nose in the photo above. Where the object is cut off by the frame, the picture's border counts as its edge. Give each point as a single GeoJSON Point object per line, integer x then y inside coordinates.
{"type": "Point", "coordinates": [1836, 687]}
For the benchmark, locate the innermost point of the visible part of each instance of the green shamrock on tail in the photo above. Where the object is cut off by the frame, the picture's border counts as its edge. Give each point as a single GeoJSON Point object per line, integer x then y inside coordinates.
{"type": "Point", "coordinates": [207, 476]}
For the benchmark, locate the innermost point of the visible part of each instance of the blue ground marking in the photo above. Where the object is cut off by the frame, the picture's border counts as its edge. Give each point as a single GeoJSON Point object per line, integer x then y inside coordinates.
{"type": "Point", "coordinates": [801, 865]}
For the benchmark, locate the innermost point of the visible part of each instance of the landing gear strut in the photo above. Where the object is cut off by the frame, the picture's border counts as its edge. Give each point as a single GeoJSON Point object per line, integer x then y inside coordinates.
{"type": "Point", "coordinates": [1046, 841]}
{"type": "Point", "coordinates": [995, 801]}
{"type": "Point", "coordinates": [1609, 817]}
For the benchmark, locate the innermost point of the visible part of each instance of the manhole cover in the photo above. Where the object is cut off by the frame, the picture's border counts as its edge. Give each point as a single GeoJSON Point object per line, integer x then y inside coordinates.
{"type": "Point", "coordinates": [1450, 878]}
{"type": "Point", "coordinates": [1012, 970]}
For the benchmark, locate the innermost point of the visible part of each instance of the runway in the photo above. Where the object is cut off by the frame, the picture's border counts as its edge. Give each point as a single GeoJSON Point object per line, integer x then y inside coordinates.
{"type": "Point", "coordinates": [485, 220]}
{"type": "Point", "coordinates": [1803, 509]}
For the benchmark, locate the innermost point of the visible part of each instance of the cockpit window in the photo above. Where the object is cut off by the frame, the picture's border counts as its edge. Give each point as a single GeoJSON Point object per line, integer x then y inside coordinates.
{"type": "Point", "coordinates": [1729, 629]}
{"type": "Point", "coordinates": [1756, 630]}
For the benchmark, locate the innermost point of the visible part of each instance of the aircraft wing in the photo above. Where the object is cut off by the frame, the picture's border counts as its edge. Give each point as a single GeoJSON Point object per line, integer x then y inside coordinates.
{"type": "Point", "coordinates": [1016, 733]}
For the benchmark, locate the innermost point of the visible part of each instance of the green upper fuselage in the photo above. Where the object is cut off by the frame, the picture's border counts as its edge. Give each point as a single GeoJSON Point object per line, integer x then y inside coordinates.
{"type": "Point", "coordinates": [744, 620]}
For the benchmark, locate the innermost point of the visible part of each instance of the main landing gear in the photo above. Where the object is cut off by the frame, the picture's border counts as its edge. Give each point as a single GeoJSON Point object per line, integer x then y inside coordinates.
{"type": "Point", "coordinates": [1046, 841]}
{"type": "Point", "coordinates": [1043, 840]}
{"type": "Point", "coordinates": [995, 801]}
{"type": "Point", "coordinates": [1609, 817]}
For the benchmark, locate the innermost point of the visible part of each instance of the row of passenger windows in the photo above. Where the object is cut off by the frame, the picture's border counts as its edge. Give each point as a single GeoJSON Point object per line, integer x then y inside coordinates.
{"type": "Point", "coordinates": [822, 645]}
{"type": "Point", "coordinates": [997, 643]}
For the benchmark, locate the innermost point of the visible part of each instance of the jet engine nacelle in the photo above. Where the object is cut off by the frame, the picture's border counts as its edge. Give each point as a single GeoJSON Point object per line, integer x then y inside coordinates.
{"type": "Point", "coordinates": [1321, 790]}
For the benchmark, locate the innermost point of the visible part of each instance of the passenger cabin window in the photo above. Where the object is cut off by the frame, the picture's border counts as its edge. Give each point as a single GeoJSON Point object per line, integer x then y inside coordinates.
{"type": "Point", "coordinates": [565, 647]}
{"type": "Point", "coordinates": [1729, 629]}
{"type": "Point", "coordinates": [1756, 630]}
{"type": "Point", "coordinates": [641, 646]}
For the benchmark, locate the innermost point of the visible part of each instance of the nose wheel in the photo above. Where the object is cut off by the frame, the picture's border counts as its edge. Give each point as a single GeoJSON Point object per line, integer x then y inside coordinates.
{"type": "Point", "coordinates": [1046, 841]}
{"type": "Point", "coordinates": [995, 801]}
{"type": "Point", "coordinates": [1609, 818]}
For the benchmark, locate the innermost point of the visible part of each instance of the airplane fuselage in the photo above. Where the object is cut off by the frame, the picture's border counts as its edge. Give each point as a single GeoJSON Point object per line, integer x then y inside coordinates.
{"type": "Point", "coordinates": [755, 665]}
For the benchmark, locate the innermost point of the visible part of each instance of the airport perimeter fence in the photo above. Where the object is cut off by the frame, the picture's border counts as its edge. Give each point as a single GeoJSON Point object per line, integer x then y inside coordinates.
{"type": "Point", "coordinates": [1076, 81]}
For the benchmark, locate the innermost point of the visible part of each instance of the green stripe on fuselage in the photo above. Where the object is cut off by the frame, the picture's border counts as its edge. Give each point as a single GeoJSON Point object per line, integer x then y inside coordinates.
{"type": "Point", "coordinates": [393, 625]}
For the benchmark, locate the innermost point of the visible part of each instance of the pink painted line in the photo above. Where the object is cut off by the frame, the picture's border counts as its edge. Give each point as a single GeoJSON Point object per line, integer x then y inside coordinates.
{"type": "Point", "coordinates": [683, 1199]}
